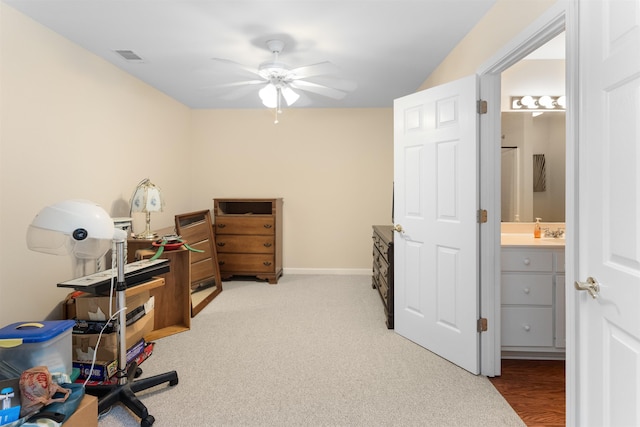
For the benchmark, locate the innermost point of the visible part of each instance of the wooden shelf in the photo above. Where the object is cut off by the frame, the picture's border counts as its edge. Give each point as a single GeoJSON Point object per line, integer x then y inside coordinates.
{"type": "Point", "coordinates": [173, 300]}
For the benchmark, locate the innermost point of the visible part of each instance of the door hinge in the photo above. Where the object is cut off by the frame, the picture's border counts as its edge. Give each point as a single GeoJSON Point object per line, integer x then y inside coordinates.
{"type": "Point", "coordinates": [482, 324]}
{"type": "Point", "coordinates": [482, 216]}
{"type": "Point", "coordinates": [482, 107]}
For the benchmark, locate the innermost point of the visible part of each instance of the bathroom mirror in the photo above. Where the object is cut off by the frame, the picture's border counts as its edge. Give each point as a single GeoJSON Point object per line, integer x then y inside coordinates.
{"type": "Point", "coordinates": [533, 166]}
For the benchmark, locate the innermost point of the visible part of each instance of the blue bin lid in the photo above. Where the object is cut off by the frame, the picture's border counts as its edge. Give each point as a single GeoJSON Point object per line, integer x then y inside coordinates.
{"type": "Point", "coordinates": [33, 332]}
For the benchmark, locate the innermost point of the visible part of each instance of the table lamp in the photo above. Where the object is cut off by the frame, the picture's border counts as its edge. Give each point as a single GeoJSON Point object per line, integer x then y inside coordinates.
{"type": "Point", "coordinates": [147, 198]}
{"type": "Point", "coordinates": [85, 230]}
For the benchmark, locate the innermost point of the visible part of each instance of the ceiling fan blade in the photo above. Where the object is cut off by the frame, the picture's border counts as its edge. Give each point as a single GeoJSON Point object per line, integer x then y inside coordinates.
{"type": "Point", "coordinates": [251, 70]}
{"type": "Point", "coordinates": [239, 92]}
{"type": "Point", "coordinates": [235, 90]}
{"type": "Point", "coordinates": [320, 68]}
{"type": "Point", "coordinates": [340, 84]}
{"type": "Point", "coordinates": [236, 84]}
{"type": "Point", "coordinates": [319, 89]}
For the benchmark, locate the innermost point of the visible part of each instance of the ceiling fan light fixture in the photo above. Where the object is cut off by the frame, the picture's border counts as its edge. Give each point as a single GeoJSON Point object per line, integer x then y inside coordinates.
{"type": "Point", "coordinates": [269, 96]}
{"type": "Point", "coordinates": [289, 95]}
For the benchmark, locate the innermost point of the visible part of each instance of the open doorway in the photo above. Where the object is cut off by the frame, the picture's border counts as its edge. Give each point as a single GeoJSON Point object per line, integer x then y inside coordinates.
{"type": "Point", "coordinates": [533, 159]}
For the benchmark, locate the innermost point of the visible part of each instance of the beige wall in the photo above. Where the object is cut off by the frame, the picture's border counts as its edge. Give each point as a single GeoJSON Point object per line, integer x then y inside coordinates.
{"type": "Point", "coordinates": [74, 126]}
{"type": "Point", "coordinates": [332, 167]}
{"type": "Point", "coordinates": [505, 20]}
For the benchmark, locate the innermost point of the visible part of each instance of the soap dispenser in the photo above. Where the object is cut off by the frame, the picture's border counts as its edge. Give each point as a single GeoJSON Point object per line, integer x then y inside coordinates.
{"type": "Point", "coordinates": [536, 229]}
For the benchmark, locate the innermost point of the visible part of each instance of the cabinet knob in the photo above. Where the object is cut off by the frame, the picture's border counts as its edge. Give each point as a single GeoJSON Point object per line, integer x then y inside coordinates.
{"type": "Point", "coordinates": [526, 327]}
{"type": "Point", "coordinates": [526, 290]}
{"type": "Point", "coordinates": [526, 261]}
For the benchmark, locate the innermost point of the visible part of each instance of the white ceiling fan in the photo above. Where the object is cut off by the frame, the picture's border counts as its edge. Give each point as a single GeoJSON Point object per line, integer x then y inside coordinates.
{"type": "Point", "coordinates": [280, 83]}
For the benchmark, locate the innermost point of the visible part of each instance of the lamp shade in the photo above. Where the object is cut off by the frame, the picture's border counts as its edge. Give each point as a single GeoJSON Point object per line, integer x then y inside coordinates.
{"type": "Point", "coordinates": [147, 198]}
{"type": "Point", "coordinates": [77, 227]}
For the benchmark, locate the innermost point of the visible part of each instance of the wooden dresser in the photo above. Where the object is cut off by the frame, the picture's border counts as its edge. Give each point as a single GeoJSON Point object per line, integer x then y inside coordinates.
{"type": "Point", "coordinates": [382, 278]}
{"type": "Point", "coordinates": [249, 237]}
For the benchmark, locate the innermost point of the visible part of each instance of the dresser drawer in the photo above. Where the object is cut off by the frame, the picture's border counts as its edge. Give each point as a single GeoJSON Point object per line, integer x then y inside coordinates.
{"type": "Point", "coordinates": [527, 289]}
{"type": "Point", "coordinates": [527, 261]}
{"type": "Point", "coordinates": [383, 288]}
{"type": "Point", "coordinates": [380, 263]}
{"type": "Point", "coordinates": [246, 263]}
{"type": "Point", "coordinates": [257, 244]}
{"type": "Point", "coordinates": [245, 224]}
{"type": "Point", "coordinates": [381, 246]}
{"type": "Point", "coordinates": [527, 326]}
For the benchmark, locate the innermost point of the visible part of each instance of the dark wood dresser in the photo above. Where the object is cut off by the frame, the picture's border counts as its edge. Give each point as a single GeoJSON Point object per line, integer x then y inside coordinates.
{"type": "Point", "coordinates": [382, 278]}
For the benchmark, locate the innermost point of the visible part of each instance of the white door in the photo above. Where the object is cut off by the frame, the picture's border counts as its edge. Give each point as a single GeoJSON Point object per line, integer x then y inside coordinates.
{"type": "Point", "coordinates": [435, 204]}
{"type": "Point", "coordinates": [607, 327]}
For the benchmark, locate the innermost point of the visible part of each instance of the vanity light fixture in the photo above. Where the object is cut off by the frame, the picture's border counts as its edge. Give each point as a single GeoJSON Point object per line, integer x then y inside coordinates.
{"type": "Point", "coordinates": [544, 102]}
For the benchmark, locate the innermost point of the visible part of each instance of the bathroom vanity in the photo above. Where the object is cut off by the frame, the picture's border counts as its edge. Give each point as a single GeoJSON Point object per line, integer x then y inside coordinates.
{"type": "Point", "coordinates": [532, 297]}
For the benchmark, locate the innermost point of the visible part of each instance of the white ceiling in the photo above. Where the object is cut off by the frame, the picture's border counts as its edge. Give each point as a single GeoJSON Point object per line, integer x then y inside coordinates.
{"type": "Point", "coordinates": [387, 47]}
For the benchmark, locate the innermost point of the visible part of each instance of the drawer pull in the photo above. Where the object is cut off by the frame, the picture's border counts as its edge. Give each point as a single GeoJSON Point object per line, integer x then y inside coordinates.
{"type": "Point", "coordinates": [267, 245]}
{"type": "Point", "coordinates": [267, 226]}
{"type": "Point", "coordinates": [526, 327]}
{"type": "Point", "coordinates": [526, 290]}
{"type": "Point", "coordinates": [220, 262]}
{"type": "Point", "coordinates": [221, 225]}
{"type": "Point", "coordinates": [526, 261]}
{"type": "Point", "coordinates": [266, 263]}
{"type": "Point", "coordinates": [221, 244]}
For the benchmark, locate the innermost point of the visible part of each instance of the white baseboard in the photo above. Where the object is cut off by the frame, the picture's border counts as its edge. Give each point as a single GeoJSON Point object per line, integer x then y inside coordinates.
{"type": "Point", "coordinates": [329, 271]}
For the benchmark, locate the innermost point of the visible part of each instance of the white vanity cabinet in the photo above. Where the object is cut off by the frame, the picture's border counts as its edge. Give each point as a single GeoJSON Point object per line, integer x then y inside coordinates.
{"type": "Point", "coordinates": [532, 302]}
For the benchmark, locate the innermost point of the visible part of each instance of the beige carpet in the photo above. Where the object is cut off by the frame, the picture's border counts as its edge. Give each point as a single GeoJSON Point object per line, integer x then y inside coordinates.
{"type": "Point", "coordinates": [309, 351]}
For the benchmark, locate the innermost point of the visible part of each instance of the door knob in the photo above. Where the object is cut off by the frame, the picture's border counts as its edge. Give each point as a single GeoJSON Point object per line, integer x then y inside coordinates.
{"type": "Point", "coordinates": [591, 285]}
{"type": "Point", "coordinates": [398, 228]}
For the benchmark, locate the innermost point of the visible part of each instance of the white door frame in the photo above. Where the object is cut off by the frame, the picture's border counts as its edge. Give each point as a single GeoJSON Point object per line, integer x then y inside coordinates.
{"type": "Point", "coordinates": [560, 17]}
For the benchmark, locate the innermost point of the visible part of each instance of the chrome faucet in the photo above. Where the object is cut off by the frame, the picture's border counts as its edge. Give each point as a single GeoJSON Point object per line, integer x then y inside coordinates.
{"type": "Point", "coordinates": [556, 234]}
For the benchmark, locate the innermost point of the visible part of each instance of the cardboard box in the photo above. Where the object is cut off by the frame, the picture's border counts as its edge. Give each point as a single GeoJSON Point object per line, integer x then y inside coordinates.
{"type": "Point", "coordinates": [97, 308]}
{"type": "Point", "coordinates": [148, 350]}
{"type": "Point", "coordinates": [84, 344]}
{"type": "Point", "coordinates": [86, 415]}
{"type": "Point", "coordinates": [102, 371]}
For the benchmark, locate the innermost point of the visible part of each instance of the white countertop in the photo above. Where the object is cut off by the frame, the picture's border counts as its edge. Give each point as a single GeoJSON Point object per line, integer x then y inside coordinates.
{"type": "Point", "coordinates": [522, 239]}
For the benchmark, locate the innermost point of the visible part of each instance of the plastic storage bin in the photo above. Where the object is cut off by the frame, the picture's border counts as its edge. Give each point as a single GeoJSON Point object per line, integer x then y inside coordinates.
{"type": "Point", "coordinates": [24, 345]}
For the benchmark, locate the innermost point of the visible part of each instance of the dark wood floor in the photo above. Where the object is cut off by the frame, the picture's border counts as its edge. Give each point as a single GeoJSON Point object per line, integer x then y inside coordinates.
{"type": "Point", "coordinates": [535, 389]}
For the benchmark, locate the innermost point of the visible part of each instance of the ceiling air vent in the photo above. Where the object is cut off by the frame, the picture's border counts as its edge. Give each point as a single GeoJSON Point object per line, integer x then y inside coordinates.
{"type": "Point", "coordinates": [129, 55]}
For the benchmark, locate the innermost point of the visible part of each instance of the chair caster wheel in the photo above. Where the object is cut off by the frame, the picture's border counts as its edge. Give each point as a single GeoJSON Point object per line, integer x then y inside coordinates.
{"type": "Point", "coordinates": [147, 422]}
